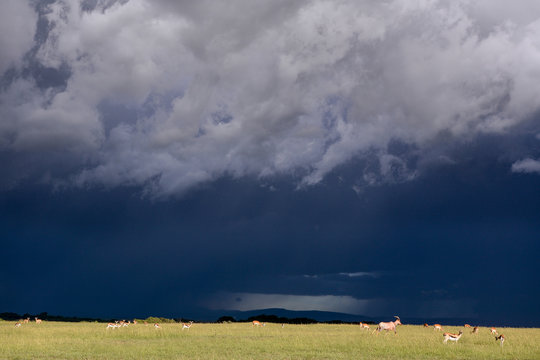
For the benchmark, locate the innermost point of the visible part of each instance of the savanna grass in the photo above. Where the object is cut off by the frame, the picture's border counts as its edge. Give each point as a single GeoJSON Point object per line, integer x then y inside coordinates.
{"type": "Point", "coordinates": [57, 340]}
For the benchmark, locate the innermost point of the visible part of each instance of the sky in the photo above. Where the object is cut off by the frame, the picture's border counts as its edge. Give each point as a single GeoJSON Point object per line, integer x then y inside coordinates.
{"type": "Point", "coordinates": [181, 158]}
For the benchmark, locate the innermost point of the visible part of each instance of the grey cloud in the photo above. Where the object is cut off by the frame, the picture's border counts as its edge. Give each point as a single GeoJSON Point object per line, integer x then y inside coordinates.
{"type": "Point", "coordinates": [526, 166]}
{"type": "Point", "coordinates": [271, 88]}
{"type": "Point", "coordinates": [17, 27]}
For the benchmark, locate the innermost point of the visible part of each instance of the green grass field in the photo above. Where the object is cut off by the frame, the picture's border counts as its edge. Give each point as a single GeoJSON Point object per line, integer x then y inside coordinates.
{"type": "Point", "coordinates": [58, 340]}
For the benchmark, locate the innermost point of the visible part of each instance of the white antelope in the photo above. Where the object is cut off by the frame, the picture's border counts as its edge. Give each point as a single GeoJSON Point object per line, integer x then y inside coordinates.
{"type": "Point", "coordinates": [257, 323]}
{"type": "Point", "coordinates": [38, 321]}
{"type": "Point", "coordinates": [493, 331]}
{"type": "Point", "coordinates": [388, 326]}
{"type": "Point", "coordinates": [187, 325]}
{"type": "Point", "coordinates": [156, 325]}
{"type": "Point", "coordinates": [437, 327]}
{"type": "Point", "coordinates": [500, 338]}
{"type": "Point", "coordinates": [452, 337]}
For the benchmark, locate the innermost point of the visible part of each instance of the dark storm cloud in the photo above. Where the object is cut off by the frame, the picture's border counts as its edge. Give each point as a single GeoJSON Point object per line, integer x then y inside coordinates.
{"type": "Point", "coordinates": [447, 244]}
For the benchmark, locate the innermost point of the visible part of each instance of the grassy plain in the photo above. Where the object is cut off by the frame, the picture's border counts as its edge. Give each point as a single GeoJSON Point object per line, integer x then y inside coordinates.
{"type": "Point", "coordinates": [58, 340]}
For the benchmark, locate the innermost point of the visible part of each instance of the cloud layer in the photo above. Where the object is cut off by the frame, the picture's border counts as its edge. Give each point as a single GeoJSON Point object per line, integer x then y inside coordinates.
{"type": "Point", "coordinates": [167, 95]}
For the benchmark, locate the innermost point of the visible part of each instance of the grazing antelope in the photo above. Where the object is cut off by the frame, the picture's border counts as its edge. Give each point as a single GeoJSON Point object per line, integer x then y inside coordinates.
{"type": "Point", "coordinates": [365, 326]}
{"type": "Point", "coordinates": [38, 321]}
{"type": "Point", "coordinates": [452, 337]}
{"type": "Point", "coordinates": [493, 331]}
{"type": "Point", "coordinates": [388, 326]}
{"type": "Point", "coordinates": [437, 327]}
{"type": "Point", "coordinates": [426, 325]}
{"type": "Point", "coordinates": [475, 330]}
{"type": "Point", "coordinates": [18, 324]}
{"type": "Point", "coordinates": [257, 323]}
{"type": "Point", "coordinates": [467, 325]}
{"type": "Point", "coordinates": [156, 325]}
{"type": "Point", "coordinates": [27, 320]}
{"type": "Point", "coordinates": [187, 325]}
{"type": "Point", "coordinates": [500, 338]}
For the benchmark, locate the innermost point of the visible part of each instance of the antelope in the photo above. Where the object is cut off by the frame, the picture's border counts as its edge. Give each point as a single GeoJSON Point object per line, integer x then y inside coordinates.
{"type": "Point", "coordinates": [493, 331]}
{"type": "Point", "coordinates": [18, 324]}
{"type": "Point", "coordinates": [134, 322]}
{"type": "Point", "coordinates": [257, 323]}
{"type": "Point", "coordinates": [467, 325]}
{"type": "Point", "coordinates": [27, 320]}
{"type": "Point", "coordinates": [437, 327]}
{"type": "Point", "coordinates": [156, 325]}
{"type": "Point", "coordinates": [426, 325]}
{"type": "Point", "coordinates": [388, 326]}
{"type": "Point", "coordinates": [112, 325]}
{"type": "Point", "coordinates": [187, 325]}
{"type": "Point", "coordinates": [452, 337]}
{"type": "Point", "coordinates": [365, 326]}
{"type": "Point", "coordinates": [38, 321]}
{"type": "Point", "coordinates": [500, 338]}
{"type": "Point", "coordinates": [475, 330]}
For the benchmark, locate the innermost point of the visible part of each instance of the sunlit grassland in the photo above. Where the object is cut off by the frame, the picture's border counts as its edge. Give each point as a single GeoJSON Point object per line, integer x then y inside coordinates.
{"type": "Point", "coordinates": [58, 340]}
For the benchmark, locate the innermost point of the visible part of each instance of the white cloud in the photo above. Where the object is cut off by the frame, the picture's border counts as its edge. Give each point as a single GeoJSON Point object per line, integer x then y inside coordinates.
{"type": "Point", "coordinates": [526, 166]}
{"type": "Point", "coordinates": [282, 87]}
{"type": "Point", "coordinates": [18, 23]}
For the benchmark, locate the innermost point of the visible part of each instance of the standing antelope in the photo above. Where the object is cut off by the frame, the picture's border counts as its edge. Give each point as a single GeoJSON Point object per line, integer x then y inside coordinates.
{"type": "Point", "coordinates": [187, 325]}
{"type": "Point", "coordinates": [38, 321]}
{"type": "Point", "coordinates": [437, 327]}
{"type": "Point", "coordinates": [452, 337]}
{"type": "Point", "coordinates": [365, 326]}
{"type": "Point", "coordinates": [27, 320]}
{"type": "Point", "coordinates": [493, 331]}
{"type": "Point", "coordinates": [388, 326]}
{"type": "Point", "coordinates": [257, 323]}
{"type": "Point", "coordinates": [500, 338]}
{"type": "Point", "coordinates": [112, 325]}
{"type": "Point", "coordinates": [156, 325]}
{"type": "Point", "coordinates": [475, 330]}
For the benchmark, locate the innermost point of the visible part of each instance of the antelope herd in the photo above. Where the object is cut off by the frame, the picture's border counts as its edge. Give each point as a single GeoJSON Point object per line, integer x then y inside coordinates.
{"type": "Point", "coordinates": [387, 326]}
{"type": "Point", "coordinates": [455, 337]}
{"type": "Point", "coordinates": [26, 321]}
